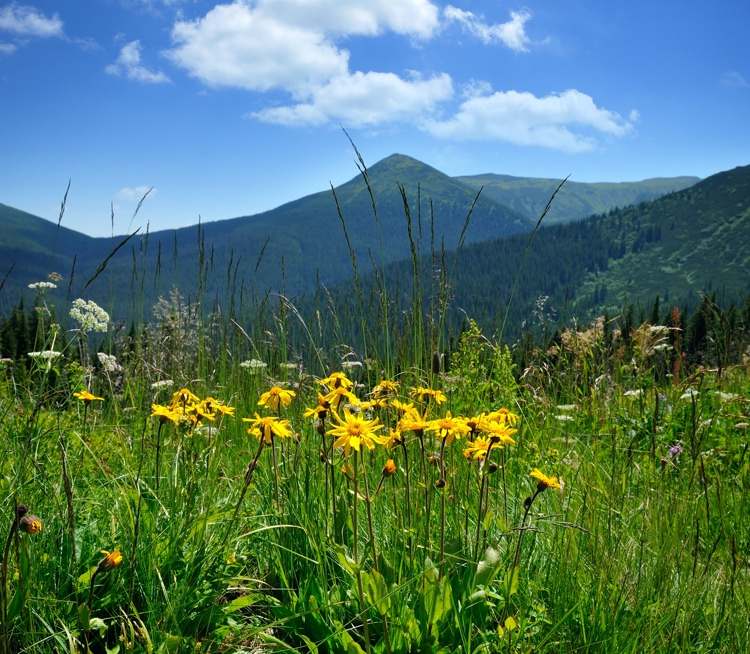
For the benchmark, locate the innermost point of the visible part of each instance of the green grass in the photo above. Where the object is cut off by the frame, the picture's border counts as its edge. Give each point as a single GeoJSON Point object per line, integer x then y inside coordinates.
{"type": "Point", "coordinates": [638, 553]}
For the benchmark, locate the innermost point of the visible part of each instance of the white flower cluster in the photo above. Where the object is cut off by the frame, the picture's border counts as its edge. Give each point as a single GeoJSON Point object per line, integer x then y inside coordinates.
{"type": "Point", "coordinates": [6, 360]}
{"type": "Point", "coordinates": [89, 315]}
{"type": "Point", "coordinates": [109, 362]}
{"type": "Point", "coordinates": [635, 392]}
{"type": "Point", "coordinates": [164, 383]}
{"type": "Point", "coordinates": [46, 355]}
{"type": "Point", "coordinates": [351, 365]}
{"type": "Point", "coordinates": [42, 286]}
{"type": "Point", "coordinates": [255, 365]}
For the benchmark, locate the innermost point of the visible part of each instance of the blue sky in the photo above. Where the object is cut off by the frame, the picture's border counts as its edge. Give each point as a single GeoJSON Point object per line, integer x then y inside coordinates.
{"type": "Point", "coordinates": [231, 108]}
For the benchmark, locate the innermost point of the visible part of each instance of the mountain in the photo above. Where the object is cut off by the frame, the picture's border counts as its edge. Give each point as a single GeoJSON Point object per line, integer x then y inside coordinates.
{"type": "Point", "coordinates": [576, 200]}
{"type": "Point", "coordinates": [678, 247]}
{"type": "Point", "coordinates": [290, 248]}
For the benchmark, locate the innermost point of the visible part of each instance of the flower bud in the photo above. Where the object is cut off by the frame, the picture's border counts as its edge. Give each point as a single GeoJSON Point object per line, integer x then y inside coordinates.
{"type": "Point", "coordinates": [389, 468]}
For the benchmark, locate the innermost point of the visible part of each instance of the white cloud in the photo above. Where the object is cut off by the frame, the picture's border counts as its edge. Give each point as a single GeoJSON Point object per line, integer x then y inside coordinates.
{"type": "Point", "coordinates": [128, 64]}
{"type": "Point", "coordinates": [734, 79]}
{"type": "Point", "coordinates": [419, 18]}
{"type": "Point", "coordinates": [134, 193]}
{"type": "Point", "coordinates": [7, 48]}
{"type": "Point", "coordinates": [236, 45]}
{"type": "Point", "coordinates": [561, 121]}
{"type": "Point", "coordinates": [512, 34]}
{"type": "Point", "coordinates": [29, 21]}
{"type": "Point", "coordinates": [365, 99]}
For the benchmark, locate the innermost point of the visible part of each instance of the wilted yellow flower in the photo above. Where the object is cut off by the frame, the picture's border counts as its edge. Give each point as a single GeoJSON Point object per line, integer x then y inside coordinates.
{"type": "Point", "coordinates": [336, 379]}
{"type": "Point", "coordinates": [353, 431]}
{"type": "Point", "coordinates": [449, 427]}
{"type": "Point", "coordinates": [267, 427]}
{"type": "Point", "coordinates": [385, 387]}
{"type": "Point", "coordinates": [389, 468]}
{"type": "Point", "coordinates": [31, 524]}
{"type": "Point", "coordinates": [86, 397]}
{"type": "Point", "coordinates": [275, 397]}
{"type": "Point", "coordinates": [544, 481]}
{"type": "Point", "coordinates": [422, 394]}
{"type": "Point", "coordinates": [111, 559]}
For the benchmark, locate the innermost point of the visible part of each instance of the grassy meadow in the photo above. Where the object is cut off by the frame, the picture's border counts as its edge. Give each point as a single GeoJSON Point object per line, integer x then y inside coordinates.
{"type": "Point", "coordinates": [244, 479]}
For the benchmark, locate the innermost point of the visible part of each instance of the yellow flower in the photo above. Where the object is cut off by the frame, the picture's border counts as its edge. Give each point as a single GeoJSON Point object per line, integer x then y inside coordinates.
{"type": "Point", "coordinates": [403, 407]}
{"type": "Point", "coordinates": [413, 421]}
{"type": "Point", "coordinates": [385, 387]}
{"type": "Point", "coordinates": [394, 438]}
{"type": "Point", "coordinates": [339, 393]}
{"type": "Point", "coordinates": [320, 410]}
{"type": "Point", "coordinates": [477, 449]}
{"type": "Point", "coordinates": [422, 394]}
{"type": "Point", "coordinates": [336, 379]}
{"type": "Point", "coordinates": [275, 397]}
{"type": "Point", "coordinates": [269, 426]}
{"type": "Point", "coordinates": [544, 481]}
{"type": "Point", "coordinates": [31, 524]}
{"type": "Point", "coordinates": [503, 416]}
{"type": "Point", "coordinates": [374, 403]}
{"type": "Point", "coordinates": [183, 397]}
{"type": "Point", "coordinates": [111, 559]}
{"type": "Point", "coordinates": [86, 397]}
{"type": "Point", "coordinates": [353, 431]}
{"type": "Point", "coordinates": [213, 406]}
{"type": "Point", "coordinates": [389, 468]}
{"type": "Point", "coordinates": [164, 413]}
{"type": "Point", "coordinates": [449, 427]}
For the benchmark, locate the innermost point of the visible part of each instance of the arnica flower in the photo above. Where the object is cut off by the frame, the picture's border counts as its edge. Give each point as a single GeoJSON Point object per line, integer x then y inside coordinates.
{"type": "Point", "coordinates": [413, 421]}
{"type": "Point", "coordinates": [504, 416]}
{"type": "Point", "coordinates": [374, 403]}
{"type": "Point", "coordinates": [545, 482]}
{"type": "Point", "coordinates": [384, 388]}
{"type": "Point", "coordinates": [338, 394]}
{"type": "Point", "coordinates": [353, 431]}
{"type": "Point", "coordinates": [394, 438]}
{"type": "Point", "coordinates": [449, 427]}
{"type": "Point", "coordinates": [183, 397]}
{"type": "Point", "coordinates": [477, 449]}
{"type": "Point", "coordinates": [111, 559]}
{"type": "Point", "coordinates": [164, 413]}
{"type": "Point", "coordinates": [320, 410]}
{"type": "Point", "coordinates": [30, 524]}
{"type": "Point", "coordinates": [389, 469]}
{"type": "Point", "coordinates": [336, 379]}
{"type": "Point", "coordinates": [275, 397]}
{"type": "Point", "coordinates": [86, 397]}
{"type": "Point", "coordinates": [423, 394]}
{"type": "Point", "coordinates": [267, 427]}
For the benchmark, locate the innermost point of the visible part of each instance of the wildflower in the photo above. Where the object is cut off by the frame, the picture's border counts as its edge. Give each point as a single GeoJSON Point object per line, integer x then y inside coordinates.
{"type": "Point", "coordinates": [403, 407]}
{"type": "Point", "coordinates": [111, 559]}
{"type": "Point", "coordinates": [339, 393]}
{"type": "Point", "coordinates": [394, 438]}
{"type": "Point", "coordinates": [566, 407]}
{"type": "Point", "coordinates": [275, 397]}
{"type": "Point", "coordinates": [164, 383]}
{"type": "Point", "coordinates": [42, 286]}
{"type": "Point", "coordinates": [351, 365]}
{"type": "Point", "coordinates": [544, 481]}
{"type": "Point", "coordinates": [320, 410]}
{"type": "Point", "coordinates": [374, 403]}
{"type": "Point", "coordinates": [267, 427]}
{"type": "Point", "coordinates": [47, 355]}
{"type": "Point", "coordinates": [385, 387]}
{"type": "Point", "coordinates": [449, 428]}
{"type": "Point", "coordinates": [564, 418]}
{"type": "Point", "coordinates": [354, 431]}
{"type": "Point", "coordinates": [689, 395]}
{"type": "Point", "coordinates": [254, 365]}
{"type": "Point", "coordinates": [635, 392]}
{"type": "Point", "coordinates": [86, 397]}
{"type": "Point", "coordinates": [336, 379]}
{"type": "Point", "coordinates": [89, 316]}
{"type": "Point", "coordinates": [183, 397]}
{"type": "Point", "coordinates": [424, 394]}
{"type": "Point", "coordinates": [504, 416]}
{"type": "Point", "coordinates": [164, 413]}
{"type": "Point", "coordinates": [477, 449]}
{"type": "Point", "coordinates": [31, 524]}
{"type": "Point", "coordinates": [389, 469]}
{"type": "Point", "coordinates": [108, 362]}
{"type": "Point", "coordinates": [413, 421]}
{"type": "Point", "coordinates": [675, 450]}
